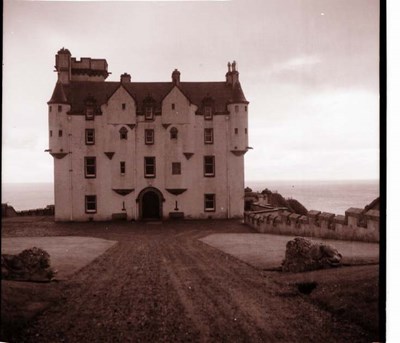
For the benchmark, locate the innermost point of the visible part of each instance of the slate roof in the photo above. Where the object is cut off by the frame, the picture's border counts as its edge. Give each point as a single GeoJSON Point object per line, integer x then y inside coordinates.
{"type": "Point", "coordinates": [76, 92]}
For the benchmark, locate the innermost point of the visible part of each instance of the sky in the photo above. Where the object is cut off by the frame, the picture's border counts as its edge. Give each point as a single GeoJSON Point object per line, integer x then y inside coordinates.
{"type": "Point", "coordinates": [309, 68]}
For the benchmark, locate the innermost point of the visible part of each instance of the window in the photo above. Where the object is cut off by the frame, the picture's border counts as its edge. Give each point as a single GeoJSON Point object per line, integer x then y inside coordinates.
{"type": "Point", "coordinates": [245, 130]}
{"type": "Point", "coordinates": [124, 106]}
{"type": "Point", "coordinates": [89, 113]}
{"type": "Point", "coordinates": [122, 167]}
{"type": "Point", "coordinates": [59, 108]}
{"type": "Point", "coordinates": [90, 167]}
{"type": "Point", "coordinates": [59, 133]}
{"type": "Point", "coordinates": [245, 108]}
{"type": "Point", "coordinates": [50, 108]}
{"type": "Point", "coordinates": [149, 167]}
{"type": "Point", "coordinates": [236, 130]}
{"type": "Point", "coordinates": [149, 136]}
{"type": "Point", "coordinates": [236, 108]}
{"type": "Point", "coordinates": [207, 112]}
{"type": "Point", "coordinates": [174, 133]}
{"type": "Point", "coordinates": [209, 166]}
{"type": "Point", "coordinates": [208, 136]}
{"type": "Point", "coordinates": [148, 113]}
{"type": "Point", "coordinates": [209, 202]}
{"type": "Point", "coordinates": [172, 106]}
{"type": "Point", "coordinates": [90, 203]}
{"type": "Point", "coordinates": [89, 136]}
{"type": "Point", "coordinates": [176, 168]}
{"type": "Point", "coordinates": [51, 133]}
{"type": "Point", "coordinates": [123, 133]}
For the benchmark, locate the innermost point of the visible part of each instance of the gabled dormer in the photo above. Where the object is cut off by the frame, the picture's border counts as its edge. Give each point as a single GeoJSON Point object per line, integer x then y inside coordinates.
{"type": "Point", "coordinates": [207, 107]}
{"type": "Point", "coordinates": [149, 107]}
{"type": "Point", "coordinates": [91, 109]}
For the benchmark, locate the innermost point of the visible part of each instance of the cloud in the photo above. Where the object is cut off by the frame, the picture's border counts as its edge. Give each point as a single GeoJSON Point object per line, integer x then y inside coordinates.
{"type": "Point", "coordinates": [299, 64]}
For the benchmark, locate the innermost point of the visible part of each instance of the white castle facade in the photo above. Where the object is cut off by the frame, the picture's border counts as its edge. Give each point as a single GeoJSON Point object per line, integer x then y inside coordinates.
{"type": "Point", "coordinates": [145, 150]}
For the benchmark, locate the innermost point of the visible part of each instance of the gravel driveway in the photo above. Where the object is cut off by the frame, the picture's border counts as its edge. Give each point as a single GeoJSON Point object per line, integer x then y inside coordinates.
{"type": "Point", "coordinates": [160, 283]}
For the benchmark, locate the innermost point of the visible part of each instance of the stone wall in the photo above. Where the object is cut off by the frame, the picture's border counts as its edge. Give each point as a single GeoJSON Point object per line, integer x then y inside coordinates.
{"type": "Point", "coordinates": [354, 225]}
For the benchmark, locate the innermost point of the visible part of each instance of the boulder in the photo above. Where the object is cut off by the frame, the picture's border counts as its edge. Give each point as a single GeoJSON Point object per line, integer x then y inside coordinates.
{"type": "Point", "coordinates": [30, 265]}
{"type": "Point", "coordinates": [304, 255]}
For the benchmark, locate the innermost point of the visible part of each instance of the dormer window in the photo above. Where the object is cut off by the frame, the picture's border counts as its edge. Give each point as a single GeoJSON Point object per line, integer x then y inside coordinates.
{"type": "Point", "coordinates": [174, 133]}
{"type": "Point", "coordinates": [123, 133]}
{"type": "Point", "coordinates": [207, 112]}
{"type": "Point", "coordinates": [89, 113]}
{"type": "Point", "coordinates": [149, 115]}
{"type": "Point", "coordinates": [90, 106]}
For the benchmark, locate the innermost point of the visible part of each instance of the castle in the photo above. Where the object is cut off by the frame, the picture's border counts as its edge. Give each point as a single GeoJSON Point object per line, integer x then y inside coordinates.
{"type": "Point", "coordinates": [145, 150]}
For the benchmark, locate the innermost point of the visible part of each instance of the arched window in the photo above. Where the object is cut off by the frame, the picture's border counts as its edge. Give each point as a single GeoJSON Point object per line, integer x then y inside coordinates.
{"type": "Point", "coordinates": [123, 133]}
{"type": "Point", "coordinates": [174, 133]}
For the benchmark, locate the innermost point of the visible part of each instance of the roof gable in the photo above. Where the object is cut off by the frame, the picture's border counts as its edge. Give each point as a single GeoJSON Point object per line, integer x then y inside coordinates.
{"type": "Point", "coordinates": [76, 92]}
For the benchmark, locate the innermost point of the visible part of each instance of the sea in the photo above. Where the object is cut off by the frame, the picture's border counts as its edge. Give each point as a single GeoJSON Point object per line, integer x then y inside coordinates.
{"type": "Point", "coordinates": [328, 196]}
{"type": "Point", "coordinates": [325, 196]}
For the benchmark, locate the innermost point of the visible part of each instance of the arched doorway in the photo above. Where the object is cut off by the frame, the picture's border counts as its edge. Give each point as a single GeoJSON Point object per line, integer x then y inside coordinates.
{"type": "Point", "coordinates": [150, 204]}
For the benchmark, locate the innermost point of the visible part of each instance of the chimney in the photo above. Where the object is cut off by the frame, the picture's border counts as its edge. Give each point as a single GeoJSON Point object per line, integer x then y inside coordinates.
{"type": "Point", "coordinates": [176, 77]}
{"type": "Point", "coordinates": [63, 65]}
{"type": "Point", "coordinates": [125, 78]}
{"type": "Point", "coordinates": [232, 76]}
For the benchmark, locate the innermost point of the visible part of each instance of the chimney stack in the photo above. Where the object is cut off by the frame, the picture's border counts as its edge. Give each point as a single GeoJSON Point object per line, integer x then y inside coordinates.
{"type": "Point", "coordinates": [232, 76]}
{"type": "Point", "coordinates": [125, 78]}
{"type": "Point", "coordinates": [176, 77]}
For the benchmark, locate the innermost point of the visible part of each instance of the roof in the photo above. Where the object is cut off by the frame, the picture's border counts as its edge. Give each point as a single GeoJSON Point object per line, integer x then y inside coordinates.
{"type": "Point", "coordinates": [76, 92]}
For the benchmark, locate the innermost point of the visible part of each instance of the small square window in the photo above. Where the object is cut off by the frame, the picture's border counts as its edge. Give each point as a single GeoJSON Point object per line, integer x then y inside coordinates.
{"type": "Point", "coordinates": [207, 112]}
{"type": "Point", "coordinates": [208, 136]}
{"type": "Point", "coordinates": [209, 166]}
{"type": "Point", "coordinates": [122, 167]}
{"type": "Point", "coordinates": [60, 133]}
{"type": "Point", "coordinates": [51, 133]}
{"type": "Point", "coordinates": [172, 106]}
{"type": "Point", "coordinates": [90, 167]}
{"type": "Point", "coordinates": [150, 167]}
{"type": "Point", "coordinates": [90, 203]}
{"type": "Point", "coordinates": [236, 130]}
{"type": "Point", "coordinates": [236, 108]}
{"type": "Point", "coordinates": [209, 202]}
{"type": "Point", "coordinates": [149, 115]}
{"type": "Point", "coordinates": [149, 136]}
{"type": "Point", "coordinates": [89, 136]}
{"type": "Point", "coordinates": [176, 168]}
{"type": "Point", "coordinates": [59, 108]}
{"type": "Point", "coordinates": [124, 106]}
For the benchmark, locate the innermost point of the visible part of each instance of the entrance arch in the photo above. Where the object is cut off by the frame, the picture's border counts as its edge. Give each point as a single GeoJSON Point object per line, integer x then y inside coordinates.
{"type": "Point", "coordinates": [150, 202]}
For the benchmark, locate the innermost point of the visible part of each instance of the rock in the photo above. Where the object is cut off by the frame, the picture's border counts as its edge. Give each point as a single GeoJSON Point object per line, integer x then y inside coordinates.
{"type": "Point", "coordinates": [30, 265]}
{"type": "Point", "coordinates": [305, 255]}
